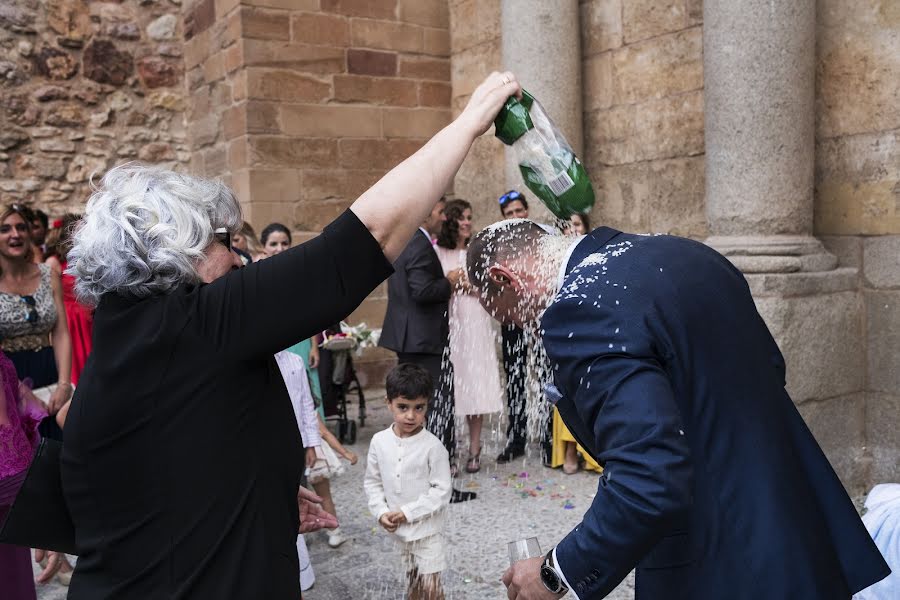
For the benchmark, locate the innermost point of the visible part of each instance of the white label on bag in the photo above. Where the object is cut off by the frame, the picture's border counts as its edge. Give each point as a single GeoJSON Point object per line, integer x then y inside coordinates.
{"type": "Point", "coordinates": [561, 184]}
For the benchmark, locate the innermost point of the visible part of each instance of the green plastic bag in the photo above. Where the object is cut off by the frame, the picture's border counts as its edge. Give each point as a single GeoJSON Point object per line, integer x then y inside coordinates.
{"type": "Point", "coordinates": [547, 163]}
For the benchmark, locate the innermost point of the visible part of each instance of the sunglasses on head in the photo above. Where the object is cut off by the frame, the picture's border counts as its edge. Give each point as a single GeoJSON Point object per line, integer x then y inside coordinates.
{"type": "Point", "coordinates": [33, 315]}
{"type": "Point", "coordinates": [509, 197]}
{"type": "Point", "coordinates": [223, 236]}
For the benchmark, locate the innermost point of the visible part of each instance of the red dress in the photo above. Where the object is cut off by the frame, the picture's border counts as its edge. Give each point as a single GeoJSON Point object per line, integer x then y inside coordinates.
{"type": "Point", "coordinates": [80, 319]}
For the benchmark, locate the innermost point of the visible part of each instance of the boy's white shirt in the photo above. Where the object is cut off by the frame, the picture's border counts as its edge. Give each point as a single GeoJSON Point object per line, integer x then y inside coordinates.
{"type": "Point", "coordinates": [412, 475]}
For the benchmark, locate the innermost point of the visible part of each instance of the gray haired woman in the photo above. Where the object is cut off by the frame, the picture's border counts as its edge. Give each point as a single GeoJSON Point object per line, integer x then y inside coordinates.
{"type": "Point", "coordinates": [182, 460]}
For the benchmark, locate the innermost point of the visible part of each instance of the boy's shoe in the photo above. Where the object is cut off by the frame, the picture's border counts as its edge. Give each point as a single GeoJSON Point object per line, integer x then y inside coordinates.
{"type": "Point", "coordinates": [458, 496]}
{"type": "Point", "coordinates": [335, 537]}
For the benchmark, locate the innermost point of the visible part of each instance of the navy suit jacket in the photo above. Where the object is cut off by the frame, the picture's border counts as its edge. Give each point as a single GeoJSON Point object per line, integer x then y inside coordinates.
{"type": "Point", "coordinates": [713, 486]}
{"type": "Point", "coordinates": [418, 297]}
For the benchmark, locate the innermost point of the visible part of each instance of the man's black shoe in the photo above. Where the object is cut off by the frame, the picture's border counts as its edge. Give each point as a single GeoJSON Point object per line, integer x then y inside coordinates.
{"type": "Point", "coordinates": [460, 496]}
{"type": "Point", "coordinates": [509, 453]}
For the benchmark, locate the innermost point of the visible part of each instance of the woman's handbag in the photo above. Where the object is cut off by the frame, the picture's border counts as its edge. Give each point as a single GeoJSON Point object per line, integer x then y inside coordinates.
{"type": "Point", "coordinates": [39, 517]}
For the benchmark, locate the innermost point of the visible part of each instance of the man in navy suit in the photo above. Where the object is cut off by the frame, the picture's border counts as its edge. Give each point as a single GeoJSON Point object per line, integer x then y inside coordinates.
{"type": "Point", "coordinates": [665, 373]}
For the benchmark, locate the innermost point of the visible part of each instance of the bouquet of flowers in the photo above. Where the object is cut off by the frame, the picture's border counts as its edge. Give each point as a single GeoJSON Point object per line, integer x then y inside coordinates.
{"type": "Point", "coordinates": [352, 337]}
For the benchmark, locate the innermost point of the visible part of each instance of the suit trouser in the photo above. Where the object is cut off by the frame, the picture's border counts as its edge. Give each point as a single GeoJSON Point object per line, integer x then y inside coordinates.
{"type": "Point", "coordinates": [515, 354]}
{"type": "Point", "coordinates": [441, 413]}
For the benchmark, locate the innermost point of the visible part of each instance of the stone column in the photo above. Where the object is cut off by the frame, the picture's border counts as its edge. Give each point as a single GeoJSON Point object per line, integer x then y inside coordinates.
{"type": "Point", "coordinates": [759, 77]}
{"type": "Point", "coordinates": [542, 46]}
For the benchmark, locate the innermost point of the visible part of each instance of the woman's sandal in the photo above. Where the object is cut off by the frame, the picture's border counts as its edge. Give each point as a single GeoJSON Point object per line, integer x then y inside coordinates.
{"type": "Point", "coordinates": [473, 465]}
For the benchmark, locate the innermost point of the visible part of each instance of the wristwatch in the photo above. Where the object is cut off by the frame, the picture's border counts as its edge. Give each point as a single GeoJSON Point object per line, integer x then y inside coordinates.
{"type": "Point", "coordinates": [550, 577]}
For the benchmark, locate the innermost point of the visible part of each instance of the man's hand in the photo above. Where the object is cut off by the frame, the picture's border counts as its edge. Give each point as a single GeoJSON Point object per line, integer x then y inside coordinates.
{"type": "Point", "coordinates": [312, 516]}
{"type": "Point", "coordinates": [523, 581]}
{"type": "Point", "coordinates": [61, 395]}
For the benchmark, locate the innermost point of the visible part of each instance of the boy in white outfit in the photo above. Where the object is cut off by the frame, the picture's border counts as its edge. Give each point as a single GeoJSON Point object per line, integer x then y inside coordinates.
{"type": "Point", "coordinates": [408, 481]}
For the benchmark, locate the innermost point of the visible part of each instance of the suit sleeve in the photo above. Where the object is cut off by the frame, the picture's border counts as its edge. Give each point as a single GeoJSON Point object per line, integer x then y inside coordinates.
{"type": "Point", "coordinates": [270, 305]}
{"type": "Point", "coordinates": [424, 286]}
{"type": "Point", "coordinates": [611, 368]}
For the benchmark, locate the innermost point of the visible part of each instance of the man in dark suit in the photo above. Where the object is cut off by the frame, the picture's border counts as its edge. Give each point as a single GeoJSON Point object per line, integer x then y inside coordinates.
{"type": "Point", "coordinates": [666, 374]}
{"type": "Point", "coordinates": [416, 327]}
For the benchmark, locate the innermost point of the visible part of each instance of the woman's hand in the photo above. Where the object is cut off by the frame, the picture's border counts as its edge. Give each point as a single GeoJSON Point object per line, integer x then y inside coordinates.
{"type": "Point", "coordinates": [487, 100]}
{"type": "Point", "coordinates": [61, 395]}
{"type": "Point", "coordinates": [312, 516]}
{"type": "Point", "coordinates": [313, 354]}
{"type": "Point", "coordinates": [311, 457]}
{"type": "Point", "coordinates": [54, 563]}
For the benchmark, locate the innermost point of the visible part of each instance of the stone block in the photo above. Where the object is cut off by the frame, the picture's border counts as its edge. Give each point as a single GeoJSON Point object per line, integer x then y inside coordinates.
{"type": "Point", "coordinates": [265, 24]}
{"type": "Point", "coordinates": [339, 184]}
{"type": "Point", "coordinates": [45, 93]}
{"type": "Point", "coordinates": [199, 18]}
{"type": "Point", "coordinates": [233, 57]}
{"type": "Point", "coordinates": [269, 185]}
{"type": "Point", "coordinates": [375, 154]}
{"type": "Point", "coordinates": [12, 137]}
{"type": "Point", "coordinates": [858, 56]}
{"type": "Point", "coordinates": [883, 333]}
{"type": "Point", "coordinates": [474, 22]}
{"type": "Point", "coordinates": [373, 9]}
{"type": "Point", "coordinates": [642, 19]}
{"type": "Point", "coordinates": [370, 312]}
{"type": "Point", "coordinates": [237, 154]}
{"type": "Point", "coordinates": [665, 128]}
{"type": "Point", "coordinates": [847, 249]}
{"type": "Point", "coordinates": [881, 262]}
{"type": "Point", "coordinates": [166, 100]}
{"type": "Point", "coordinates": [882, 425]}
{"type": "Point", "coordinates": [437, 69]}
{"type": "Point", "coordinates": [281, 84]}
{"type": "Point", "coordinates": [663, 66]}
{"type": "Point", "coordinates": [226, 31]}
{"type": "Point", "coordinates": [28, 165]}
{"type": "Point", "coordinates": [262, 117]}
{"type": "Point", "coordinates": [481, 181]}
{"type": "Point", "coordinates": [375, 90]}
{"type": "Point", "coordinates": [413, 123]}
{"type": "Point", "coordinates": [296, 57]}
{"type": "Point", "coordinates": [315, 215]}
{"type": "Point", "coordinates": [260, 214]}
{"type": "Point", "coordinates": [56, 145]}
{"type": "Point", "coordinates": [791, 284]}
{"type": "Point", "coordinates": [694, 12]}
{"type": "Point", "coordinates": [156, 152]}
{"type": "Point", "coordinates": [601, 26]}
{"type": "Point", "coordinates": [385, 35]}
{"type": "Point", "coordinates": [157, 72]}
{"type": "Point", "coordinates": [436, 42]}
{"type": "Point", "coordinates": [204, 131]}
{"type": "Point", "coordinates": [598, 86]}
{"type": "Point", "coordinates": [304, 5]}
{"type": "Point", "coordinates": [309, 120]}
{"type": "Point", "coordinates": [57, 64]}
{"type": "Point", "coordinates": [163, 28]}
{"type": "Point", "coordinates": [839, 426]}
{"type": "Point", "coordinates": [321, 29]}
{"type": "Point", "coordinates": [434, 93]}
{"type": "Point", "coordinates": [196, 50]}
{"type": "Point", "coordinates": [65, 115]}
{"type": "Point", "coordinates": [822, 341]}
{"type": "Point", "coordinates": [71, 20]}
{"type": "Point", "coordinates": [368, 62]}
{"type": "Point", "coordinates": [469, 68]}
{"type": "Point", "coordinates": [659, 196]}
{"type": "Point", "coordinates": [856, 208]}
{"type": "Point", "coordinates": [430, 13]}
{"type": "Point", "coordinates": [234, 121]}
{"type": "Point", "coordinates": [276, 151]}
{"type": "Point", "coordinates": [214, 67]}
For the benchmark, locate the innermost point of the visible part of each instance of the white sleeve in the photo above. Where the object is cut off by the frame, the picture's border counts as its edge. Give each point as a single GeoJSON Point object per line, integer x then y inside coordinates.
{"type": "Point", "coordinates": [373, 485]}
{"type": "Point", "coordinates": [563, 576]}
{"type": "Point", "coordinates": [293, 371]}
{"type": "Point", "coordinates": [439, 487]}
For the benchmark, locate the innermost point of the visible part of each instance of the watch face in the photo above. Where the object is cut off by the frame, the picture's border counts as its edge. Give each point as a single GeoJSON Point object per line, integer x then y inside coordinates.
{"type": "Point", "coordinates": [550, 579]}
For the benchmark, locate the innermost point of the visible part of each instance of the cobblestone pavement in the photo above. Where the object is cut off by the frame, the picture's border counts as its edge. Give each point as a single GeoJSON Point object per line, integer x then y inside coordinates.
{"type": "Point", "coordinates": [518, 500]}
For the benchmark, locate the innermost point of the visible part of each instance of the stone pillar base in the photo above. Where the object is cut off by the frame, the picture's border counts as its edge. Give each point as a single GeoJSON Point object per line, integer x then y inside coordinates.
{"type": "Point", "coordinates": [775, 253]}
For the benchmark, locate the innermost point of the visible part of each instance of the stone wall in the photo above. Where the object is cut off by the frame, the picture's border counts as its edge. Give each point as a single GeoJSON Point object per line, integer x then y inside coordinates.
{"type": "Point", "coordinates": [86, 86]}
{"type": "Point", "coordinates": [303, 104]}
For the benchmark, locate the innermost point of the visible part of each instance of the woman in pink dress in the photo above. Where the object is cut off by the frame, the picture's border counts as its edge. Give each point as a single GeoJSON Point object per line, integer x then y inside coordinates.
{"type": "Point", "coordinates": [476, 372]}
{"type": "Point", "coordinates": [18, 437]}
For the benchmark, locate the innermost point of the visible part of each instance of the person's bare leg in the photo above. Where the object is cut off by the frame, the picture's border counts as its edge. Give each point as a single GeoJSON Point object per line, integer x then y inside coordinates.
{"type": "Point", "coordinates": [412, 584]}
{"type": "Point", "coordinates": [475, 424]}
{"type": "Point", "coordinates": [323, 489]}
{"type": "Point", "coordinates": [571, 462]}
{"type": "Point", "coordinates": [430, 587]}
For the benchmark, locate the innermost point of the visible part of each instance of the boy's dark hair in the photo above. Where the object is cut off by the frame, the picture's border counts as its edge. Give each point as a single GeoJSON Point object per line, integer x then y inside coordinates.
{"type": "Point", "coordinates": [42, 217]}
{"type": "Point", "coordinates": [410, 381]}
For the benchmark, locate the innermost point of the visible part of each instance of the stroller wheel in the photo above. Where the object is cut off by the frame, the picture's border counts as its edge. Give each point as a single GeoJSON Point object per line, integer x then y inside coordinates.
{"type": "Point", "coordinates": [342, 431]}
{"type": "Point", "coordinates": [351, 432]}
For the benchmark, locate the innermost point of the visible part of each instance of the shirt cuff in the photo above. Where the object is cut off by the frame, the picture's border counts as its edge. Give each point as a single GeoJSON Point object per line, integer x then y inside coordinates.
{"type": "Point", "coordinates": [563, 575]}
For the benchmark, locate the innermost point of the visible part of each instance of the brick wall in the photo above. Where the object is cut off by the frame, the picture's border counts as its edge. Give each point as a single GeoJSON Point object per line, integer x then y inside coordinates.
{"type": "Point", "coordinates": [303, 104]}
{"type": "Point", "coordinates": [86, 86]}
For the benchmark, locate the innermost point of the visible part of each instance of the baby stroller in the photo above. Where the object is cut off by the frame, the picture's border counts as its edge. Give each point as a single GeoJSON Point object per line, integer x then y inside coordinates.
{"type": "Point", "coordinates": [340, 384]}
